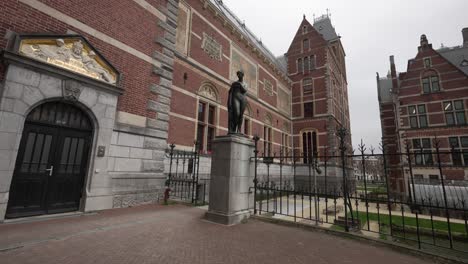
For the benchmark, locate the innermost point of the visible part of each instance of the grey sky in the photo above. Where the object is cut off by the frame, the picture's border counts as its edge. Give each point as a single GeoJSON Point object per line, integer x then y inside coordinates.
{"type": "Point", "coordinates": [371, 31]}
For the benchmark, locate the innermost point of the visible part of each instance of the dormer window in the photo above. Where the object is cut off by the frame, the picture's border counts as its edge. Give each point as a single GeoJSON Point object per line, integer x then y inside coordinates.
{"type": "Point", "coordinates": [427, 63]}
{"type": "Point", "coordinates": [430, 82]}
{"type": "Point", "coordinates": [305, 45]}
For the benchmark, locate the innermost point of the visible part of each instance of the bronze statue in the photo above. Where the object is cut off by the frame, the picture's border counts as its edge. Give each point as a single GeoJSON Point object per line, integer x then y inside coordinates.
{"type": "Point", "coordinates": [237, 102]}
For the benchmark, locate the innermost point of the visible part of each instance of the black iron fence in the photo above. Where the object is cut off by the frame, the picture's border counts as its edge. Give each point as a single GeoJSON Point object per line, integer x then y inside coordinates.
{"type": "Point", "coordinates": [411, 201]}
{"type": "Point", "coordinates": [183, 179]}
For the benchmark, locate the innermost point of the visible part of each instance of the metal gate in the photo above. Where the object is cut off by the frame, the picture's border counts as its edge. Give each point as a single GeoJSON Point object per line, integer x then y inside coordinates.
{"type": "Point", "coordinates": [352, 192]}
{"type": "Point", "coordinates": [183, 181]}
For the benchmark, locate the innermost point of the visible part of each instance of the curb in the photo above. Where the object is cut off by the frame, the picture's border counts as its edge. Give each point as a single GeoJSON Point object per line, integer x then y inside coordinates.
{"type": "Point", "coordinates": [369, 240]}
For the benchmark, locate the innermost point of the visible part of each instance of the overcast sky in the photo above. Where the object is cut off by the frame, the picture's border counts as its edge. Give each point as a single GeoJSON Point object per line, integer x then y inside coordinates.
{"type": "Point", "coordinates": [370, 30]}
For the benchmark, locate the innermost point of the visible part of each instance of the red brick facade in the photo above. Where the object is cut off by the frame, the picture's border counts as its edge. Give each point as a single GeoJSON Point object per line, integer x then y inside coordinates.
{"type": "Point", "coordinates": [316, 64]}
{"type": "Point", "coordinates": [125, 21]}
{"type": "Point", "coordinates": [419, 104]}
{"type": "Point", "coordinates": [176, 61]}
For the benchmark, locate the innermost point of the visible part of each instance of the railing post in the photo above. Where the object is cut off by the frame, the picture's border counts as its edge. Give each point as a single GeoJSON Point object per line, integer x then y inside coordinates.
{"type": "Point", "coordinates": [255, 181]}
{"type": "Point", "coordinates": [387, 181]}
{"type": "Point", "coordinates": [342, 134]}
{"type": "Point", "coordinates": [168, 181]}
{"type": "Point", "coordinates": [362, 149]}
{"type": "Point", "coordinates": [195, 171]}
{"type": "Point", "coordinates": [437, 145]}
{"type": "Point", "coordinates": [410, 166]}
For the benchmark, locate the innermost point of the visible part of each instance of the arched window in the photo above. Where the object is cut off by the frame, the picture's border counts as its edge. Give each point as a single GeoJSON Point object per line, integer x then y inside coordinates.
{"type": "Point", "coordinates": [305, 45]}
{"type": "Point", "coordinates": [430, 82]}
{"type": "Point", "coordinates": [306, 64]}
{"type": "Point", "coordinates": [207, 116]}
{"type": "Point", "coordinates": [309, 145]}
{"type": "Point", "coordinates": [304, 30]}
{"type": "Point", "coordinates": [267, 136]}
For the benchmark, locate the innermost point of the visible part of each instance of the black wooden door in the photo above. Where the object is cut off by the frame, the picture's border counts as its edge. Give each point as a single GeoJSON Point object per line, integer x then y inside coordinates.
{"type": "Point", "coordinates": [52, 161]}
{"type": "Point", "coordinates": [65, 183]}
{"type": "Point", "coordinates": [30, 179]}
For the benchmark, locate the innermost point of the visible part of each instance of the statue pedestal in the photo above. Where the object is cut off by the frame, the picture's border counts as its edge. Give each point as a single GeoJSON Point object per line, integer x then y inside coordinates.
{"type": "Point", "coordinates": [232, 175]}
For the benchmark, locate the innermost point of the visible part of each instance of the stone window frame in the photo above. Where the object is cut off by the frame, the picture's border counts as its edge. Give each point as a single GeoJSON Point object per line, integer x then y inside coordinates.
{"type": "Point", "coordinates": [206, 124]}
{"type": "Point", "coordinates": [247, 124]}
{"type": "Point", "coordinates": [459, 150]}
{"type": "Point", "coordinates": [422, 149]}
{"type": "Point", "coordinates": [430, 82]}
{"type": "Point", "coordinates": [306, 61]}
{"type": "Point", "coordinates": [267, 135]}
{"type": "Point", "coordinates": [309, 143]}
{"type": "Point", "coordinates": [312, 62]}
{"type": "Point", "coordinates": [417, 116]}
{"type": "Point", "coordinates": [304, 85]}
{"type": "Point", "coordinates": [304, 30]}
{"type": "Point", "coordinates": [450, 109]}
{"type": "Point", "coordinates": [427, 61]}
{"type": "Point", "coordinates": [285, 146]}
{"type": "Point", "coordinates": [300, 66]}
{"type": "Point", "coordinates": [304, 46]}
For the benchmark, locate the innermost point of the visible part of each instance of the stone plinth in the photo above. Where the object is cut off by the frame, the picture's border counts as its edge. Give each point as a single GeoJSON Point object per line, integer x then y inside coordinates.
{"type": "Point", "coordinates": [232, 175]}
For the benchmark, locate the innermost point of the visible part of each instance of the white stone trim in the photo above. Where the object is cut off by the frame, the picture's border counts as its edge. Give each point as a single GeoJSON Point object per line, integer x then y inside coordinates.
{"type": "Point", "coordinates": [148, 7]}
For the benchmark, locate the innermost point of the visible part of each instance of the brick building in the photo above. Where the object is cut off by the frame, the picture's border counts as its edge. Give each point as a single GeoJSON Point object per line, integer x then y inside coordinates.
{"type": "Point", "coordinates": [425, 104]}
{"type": "Point", "coordinates": [316, 65]}
{"type": "Point", "coordinates": [92, 94]}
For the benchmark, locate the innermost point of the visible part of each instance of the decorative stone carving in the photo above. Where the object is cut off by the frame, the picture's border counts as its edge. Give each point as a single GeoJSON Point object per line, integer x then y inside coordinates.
{"type": "Point", "coordinates": [70, 54]}
{"type": "Point", "coordinates": [208, 90]}
{"type": "Point", "coordinates": [212, 47]}
{"type": "Point", "coordinates": [71, 90]}
{"type": "Point", "coordinates": [268, 87]}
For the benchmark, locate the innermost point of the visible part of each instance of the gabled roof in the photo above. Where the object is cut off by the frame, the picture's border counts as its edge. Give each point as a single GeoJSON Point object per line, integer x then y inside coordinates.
{"type": "Point", "coordinates": [458, 56]}
{"type": "Point", "coordinates": [324, 26]}
{"type": "Point", "coordinates": [283, 62]}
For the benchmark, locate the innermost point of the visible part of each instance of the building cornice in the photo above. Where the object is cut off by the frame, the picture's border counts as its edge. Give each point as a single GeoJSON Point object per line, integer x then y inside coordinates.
{"type": "Point", "coordinates": [245, 40]}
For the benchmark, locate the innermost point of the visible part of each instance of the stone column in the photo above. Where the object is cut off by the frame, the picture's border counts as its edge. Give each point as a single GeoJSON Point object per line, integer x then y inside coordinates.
{"type": "Point", "coordinates": [232, 175]}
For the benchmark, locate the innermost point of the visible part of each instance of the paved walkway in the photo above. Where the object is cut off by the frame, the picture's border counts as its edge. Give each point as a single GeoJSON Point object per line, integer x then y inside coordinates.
{"type": "Point", "coordinates": [177, 234]}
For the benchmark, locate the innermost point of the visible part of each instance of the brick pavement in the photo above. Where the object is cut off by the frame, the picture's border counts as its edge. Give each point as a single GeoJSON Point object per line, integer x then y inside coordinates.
{"type": "Point", "coordinates": [177, 234]}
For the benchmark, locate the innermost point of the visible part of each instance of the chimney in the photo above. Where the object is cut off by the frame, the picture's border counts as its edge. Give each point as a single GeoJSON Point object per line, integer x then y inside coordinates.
{"type": "Point", "coordinates": [465, 37]}
{"type": "Point", "coordinates": [393, 73]}
{"type": "Point", "coordinates": [424, 43]}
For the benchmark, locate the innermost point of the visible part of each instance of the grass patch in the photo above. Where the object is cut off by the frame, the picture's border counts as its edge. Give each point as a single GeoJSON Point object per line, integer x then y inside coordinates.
{"type": "Point", "coordinates": [397, 220]}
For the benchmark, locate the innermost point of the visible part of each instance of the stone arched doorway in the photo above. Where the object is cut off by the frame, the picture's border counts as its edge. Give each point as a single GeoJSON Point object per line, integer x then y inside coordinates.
{"type": "Point", "coordinates": [52, 161]}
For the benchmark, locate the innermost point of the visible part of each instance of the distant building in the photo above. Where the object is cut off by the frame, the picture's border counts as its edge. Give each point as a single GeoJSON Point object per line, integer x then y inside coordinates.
{"type": "Point", "coordinates": [372, 170]}
{"type": "Point", "coordinates": [426, 104]}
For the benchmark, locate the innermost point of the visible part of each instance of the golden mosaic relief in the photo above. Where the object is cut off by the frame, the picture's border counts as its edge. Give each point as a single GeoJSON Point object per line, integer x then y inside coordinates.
{"type": "Point", "coordinates": [284, 101]}
{"type": "Point", "coordinates": [71, 54]}
{"type": "Point", "coordinates": [183, 25]}
{"type": "Point", "coordinates": [239, 62]}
